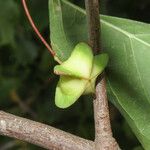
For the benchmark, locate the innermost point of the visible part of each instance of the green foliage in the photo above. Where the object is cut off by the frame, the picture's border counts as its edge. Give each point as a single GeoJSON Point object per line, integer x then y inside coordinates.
{"type": "Point", "coordinates": [127, 43]}
{"type": "Point", "coordinates": [57, 15]}
{"type": "Point", "coordinates": [26, 68]}
{"type": "Point", "coordinates": [128, 80]}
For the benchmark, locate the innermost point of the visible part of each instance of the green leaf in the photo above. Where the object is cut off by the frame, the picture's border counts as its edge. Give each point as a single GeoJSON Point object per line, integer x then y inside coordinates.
{"type": "Point", "coordinates": [128, 45]}
{"type": "Point", "coordinates": [79, 63]}
{"type": "Point", "coordinates": [128, 73]}
{"type": "Point", "coordinates": [58, 29]}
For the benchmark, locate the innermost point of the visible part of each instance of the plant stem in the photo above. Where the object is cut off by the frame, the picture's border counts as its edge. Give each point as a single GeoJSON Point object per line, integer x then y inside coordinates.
{"type": "Point", "coordinates": [103, 133]}
{"type": "Point", "coordinates": [92, 9]}
{"type": "Point", "coordinates": [38, 33]}
{"type": "Point", "coordinates": [40, 134]}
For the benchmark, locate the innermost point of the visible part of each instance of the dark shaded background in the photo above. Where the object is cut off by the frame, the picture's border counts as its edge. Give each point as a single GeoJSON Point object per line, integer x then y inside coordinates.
{"type": "Point", "coordinates": [27, 82]}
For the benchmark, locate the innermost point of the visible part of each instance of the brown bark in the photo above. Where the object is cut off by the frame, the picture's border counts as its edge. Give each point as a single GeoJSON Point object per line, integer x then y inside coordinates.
{"type": "Point", "coordinates": [92, 10]}
{"type": "Point", "coordinates": [103, 133]}
{"type": "Point", "coordinates": [40, 134]}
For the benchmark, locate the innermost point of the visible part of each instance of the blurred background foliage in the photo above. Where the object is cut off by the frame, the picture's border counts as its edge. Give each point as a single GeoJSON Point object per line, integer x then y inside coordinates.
{"type": "Point", "coordinates": [27, 82]}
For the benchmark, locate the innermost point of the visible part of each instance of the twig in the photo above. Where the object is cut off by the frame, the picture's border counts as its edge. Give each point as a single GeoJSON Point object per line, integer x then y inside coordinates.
{"type": "Point", "coordinates": [92, 9]}
{"type": "Point", "coordinates": [103, 133]}
{"type": "Point", "coordinates": [41, 134]}
{"type": "Point", "coordinates": [38, 33]}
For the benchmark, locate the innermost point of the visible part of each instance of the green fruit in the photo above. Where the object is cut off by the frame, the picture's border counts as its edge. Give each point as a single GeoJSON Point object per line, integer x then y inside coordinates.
{"type": "Point", "coordinates": [78, 75]}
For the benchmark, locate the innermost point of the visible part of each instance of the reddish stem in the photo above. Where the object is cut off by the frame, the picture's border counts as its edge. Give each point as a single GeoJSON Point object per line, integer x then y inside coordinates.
{"type": "Point", "coordinates": [35, 28]}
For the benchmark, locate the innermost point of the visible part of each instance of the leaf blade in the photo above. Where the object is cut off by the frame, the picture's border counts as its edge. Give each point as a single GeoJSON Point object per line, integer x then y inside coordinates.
{"type": "Point", "coordinates": [127, 43]}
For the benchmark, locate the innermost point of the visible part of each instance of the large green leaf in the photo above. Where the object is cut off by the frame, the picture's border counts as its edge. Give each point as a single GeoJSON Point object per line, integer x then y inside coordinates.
{"type": "Point", "coordinates": [127, 43]}
{"type": "Point", "coordinates": [61, 26]}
